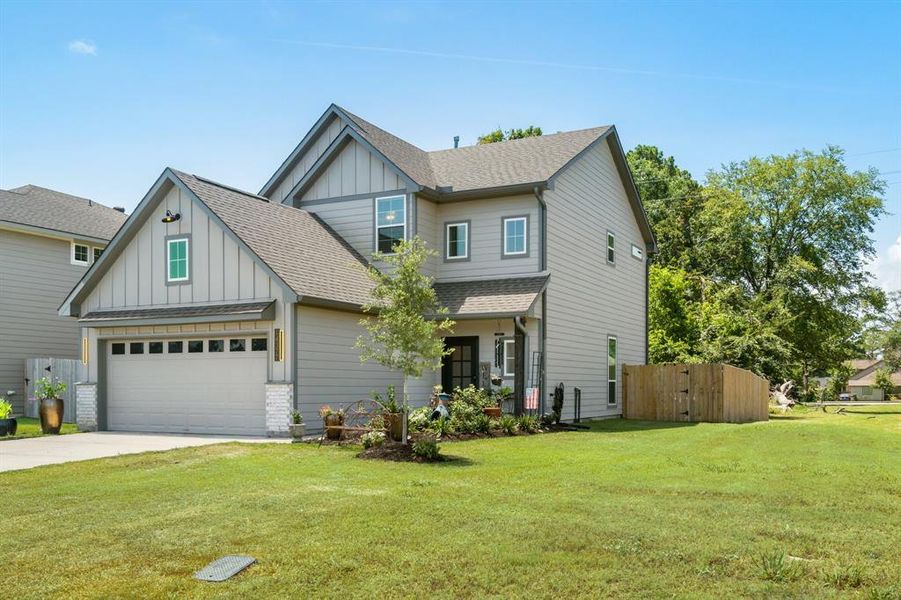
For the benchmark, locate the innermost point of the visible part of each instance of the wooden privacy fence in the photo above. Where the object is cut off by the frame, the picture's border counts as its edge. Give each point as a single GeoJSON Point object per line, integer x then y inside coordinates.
{"type": "Point", "coordinates": [69, 371]}
{"type": "Point", "coordinates": [715, 393]}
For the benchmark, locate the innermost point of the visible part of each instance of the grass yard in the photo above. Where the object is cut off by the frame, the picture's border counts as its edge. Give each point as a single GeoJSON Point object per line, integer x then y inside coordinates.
{"type": "Point", "coordinates": [27, 428]}
{"type": "Point", "coordinates": [638, 510]}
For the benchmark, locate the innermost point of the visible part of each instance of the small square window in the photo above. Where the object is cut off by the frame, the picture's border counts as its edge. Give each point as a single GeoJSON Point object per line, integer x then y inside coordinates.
{"type": "Point", "coordinates": [79, 254]}
{"type": "Point", "coordinates": [176, 347]}
{"type": "Point", "coordinates": [136, 348]}
{"type": "Point", "coordinates": [97, 253]}
{"type": "Point", "coordinates": [216, 346]}
{"type": "Point", "coordinates": [236, 345]}
{"type": "Point", "coordinates": [258, 344]}
{"type": "Point", "coordinates": [118, 348]}
{"type": "Point", "coordinates": [155, 348]}
{"type": "Point", "coordinates": [195, 346]}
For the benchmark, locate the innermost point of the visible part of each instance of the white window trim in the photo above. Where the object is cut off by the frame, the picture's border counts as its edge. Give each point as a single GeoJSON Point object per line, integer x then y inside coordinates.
{"type": "Point", "coordinates": [73, 260]}
{"type": "Point", "coordinates": [611, 401]}
{"type": "Point", "coordinates": [376, 218]}
{"type": "Point", "coordinates": [447, 228]}
{"type": "Point", "coordinates": [637, 253]}
{"type": "Point", "coordinates": [607, 245]}
{"type": "Point", "coordinates": [525, 235]}
{"type": "Point", "coordinates": [169, 243]}
{"type": "Point", "coordinates": [512, 346]}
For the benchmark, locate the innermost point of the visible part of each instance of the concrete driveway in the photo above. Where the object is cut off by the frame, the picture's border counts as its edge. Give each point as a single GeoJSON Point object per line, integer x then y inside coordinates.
{"type": "Point", "coordinates": [53, 449]}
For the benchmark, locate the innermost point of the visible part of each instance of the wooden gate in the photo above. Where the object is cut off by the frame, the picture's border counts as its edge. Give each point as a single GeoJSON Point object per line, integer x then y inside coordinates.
{"type": "Point", "coordinates": [69, 371]}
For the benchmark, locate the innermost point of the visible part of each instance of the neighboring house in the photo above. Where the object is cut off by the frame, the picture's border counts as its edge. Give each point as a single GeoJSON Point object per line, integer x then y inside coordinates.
{"type": "Point", "coordinates": [217, 311]}
{"type": "Point", "coordinates": [862, 383]}
{"type": "Point", "coordinates": [47, 242]}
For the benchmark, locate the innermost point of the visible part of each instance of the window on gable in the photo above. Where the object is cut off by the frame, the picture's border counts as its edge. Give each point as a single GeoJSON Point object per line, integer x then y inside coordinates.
{"type": "Point", "coordinates": [509, 358]}
{"type": "Point", "coordinates": [516, 236]}
{"type": "Point", "coordinates": [611, 369]}
{"type": "Point", "coordinates": [390, 222]}
{"type": "Point", "coordinates": [79, 254]}
{"type": "Point", "coordinates": [457, 236]}
{"type": "Point", "coordinates": [611, 248]}
{"type": "Point", "coordinates": [177, 260]}
{"type": "Point", "coordinates": [97, 253]}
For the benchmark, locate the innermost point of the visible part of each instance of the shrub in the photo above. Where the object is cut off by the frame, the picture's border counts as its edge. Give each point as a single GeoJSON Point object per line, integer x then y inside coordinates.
{"type": "Point", "coordinates": [389, 404]}
{"type": "Point", "coordinates": [441, 426]}
{"type": "Point", "coordinates": [426, 449]}
{"type": "Point", "coordinates": [6, 408]}
{"type": "Point", "coordinates": [774, 567]}
{"type": "Point", "coordinates": [508, 424]}
{"type": "Point", "coordinates": [373, 439]}
{"type": "Point", "coordinates": [528, 423]}
{"type": "Point", "coordinates": [472, 396]}
{"type": "Point", "coordinates": [483, 423]}
{"type": "Point", "coordinates": [419, 418]}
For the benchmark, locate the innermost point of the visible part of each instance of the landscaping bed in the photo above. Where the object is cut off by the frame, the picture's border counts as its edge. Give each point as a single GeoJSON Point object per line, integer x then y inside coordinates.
{"type": "Point", "coordinates": [28, 428]}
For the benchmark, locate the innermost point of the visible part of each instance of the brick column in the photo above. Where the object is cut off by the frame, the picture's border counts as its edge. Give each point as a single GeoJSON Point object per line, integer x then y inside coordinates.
{"type": "Point", "coordinates": [279, 401]}
{"type": "Point", "coordinates": [86, 406]}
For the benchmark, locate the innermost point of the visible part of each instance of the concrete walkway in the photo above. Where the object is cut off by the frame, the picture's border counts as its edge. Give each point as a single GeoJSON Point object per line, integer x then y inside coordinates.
{"type": "Point", "coordinates": [54, 449]}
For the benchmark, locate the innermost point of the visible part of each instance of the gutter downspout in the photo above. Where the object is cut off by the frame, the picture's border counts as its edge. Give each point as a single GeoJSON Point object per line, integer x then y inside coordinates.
{"type": "Point", "coordinates": [542, 235]}
{"type": "Point", "coordinates": [647, 308]}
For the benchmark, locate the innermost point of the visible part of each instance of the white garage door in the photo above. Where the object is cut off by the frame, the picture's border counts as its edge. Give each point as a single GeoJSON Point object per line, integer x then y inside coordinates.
{"type": "Point", "coordinates": [210, 385]}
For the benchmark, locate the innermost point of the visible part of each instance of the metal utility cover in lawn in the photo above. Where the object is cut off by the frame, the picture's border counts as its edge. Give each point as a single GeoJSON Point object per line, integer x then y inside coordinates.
{"type": "Point", "coordinates": [225, 567]}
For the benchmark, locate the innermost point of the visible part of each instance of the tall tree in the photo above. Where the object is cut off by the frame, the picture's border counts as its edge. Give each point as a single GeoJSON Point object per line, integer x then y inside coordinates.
{"type": "Point", "coordinates": [499, 135]}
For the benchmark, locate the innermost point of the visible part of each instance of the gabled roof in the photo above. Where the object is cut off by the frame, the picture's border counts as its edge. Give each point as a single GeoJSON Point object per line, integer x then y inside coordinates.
{"type": "Point", "coordinates": [490, 297]}
{"type": "Point", "coordinates": [43, 208]}
{"type": "Point", "coordinates": [501, 167]}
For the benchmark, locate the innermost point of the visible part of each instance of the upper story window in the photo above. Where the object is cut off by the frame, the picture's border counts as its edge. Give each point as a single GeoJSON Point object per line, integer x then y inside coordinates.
{"type": "Point", "coordinates": [97, 253]}
{"type": "Point", "coordinates": [611, 248]}
{"type": "Point", "coordinates": [390, 222]}
{"type": "Point", "coordinates": [515, 236]}
{"type": "Point", "coordinates": [456, 237]}
{"type": "Point", "coordinates": [177, 260]}
{"type": "Point", "coordinates": [611, 369]}
{"type": "Point", "coordinates": [80, 254]}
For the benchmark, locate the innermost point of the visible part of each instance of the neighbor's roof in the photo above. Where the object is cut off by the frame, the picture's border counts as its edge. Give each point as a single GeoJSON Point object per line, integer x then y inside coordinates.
{"type": "Point", "coordinates": [861, 364]}
{"type": "Point", "coordinates": [483, 166]}
{"type": "Point", "coordinates": [513, 296]}
{"type": "Point", "coordinates": [48, 209]}
{"type": "Point", "coordinates": [870, 379]}
{"type": "Point", "coordinates": [302, 250]}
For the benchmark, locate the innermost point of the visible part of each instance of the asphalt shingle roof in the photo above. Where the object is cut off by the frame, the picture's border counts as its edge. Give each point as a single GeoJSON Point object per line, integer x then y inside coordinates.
{"type": "Point", "coordinates": [48, 209]}
{"type": "Point", "coordinates": [302, 250]}
{"type": "Point", "coordinates": [483, 166]}
{"type": "Point", "coordinates": [513, 296]}
{"type": "Point", "coordinates": [248, 308]}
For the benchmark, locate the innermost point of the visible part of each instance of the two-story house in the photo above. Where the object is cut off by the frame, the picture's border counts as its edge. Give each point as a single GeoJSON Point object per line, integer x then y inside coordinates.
{"type": "Point", "coordinates": [48, 240]}
{"type": "Point", "coordinates": [218, 311]}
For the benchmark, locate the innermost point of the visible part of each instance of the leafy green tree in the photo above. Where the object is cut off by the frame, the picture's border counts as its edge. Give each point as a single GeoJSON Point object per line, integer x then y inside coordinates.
{"type": "Point", "coordinates": [882, 380]}
{"type": "Point", "coordinates": [838, 380]}
{"type": "Point", "coordinates": [407, 332]}
{"type": "Point", "coordinates": [883, 337]}
{"type": "Point", "coordinates": [499, 135]}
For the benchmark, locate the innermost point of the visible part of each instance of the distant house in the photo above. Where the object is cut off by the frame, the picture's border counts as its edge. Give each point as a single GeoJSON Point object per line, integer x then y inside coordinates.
{"type": "Point", "coordinates": [862, 383]}
{"type": "Point", "coordinates": [47, 242]}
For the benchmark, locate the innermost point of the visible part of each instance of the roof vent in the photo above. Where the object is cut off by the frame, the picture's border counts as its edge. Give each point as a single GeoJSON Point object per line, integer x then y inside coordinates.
{"type": "Point", "coordinates": [456, 141]}
{"type": "Point", "coordinates": [121, 209]}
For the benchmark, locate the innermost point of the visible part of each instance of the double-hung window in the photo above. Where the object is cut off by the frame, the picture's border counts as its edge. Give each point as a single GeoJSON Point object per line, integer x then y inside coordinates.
{"type": "Point", "coordinates": [178, 260]}
{"type": "Point", "coordinates": [515, 236]}
{"type": "Point", "coordinates": [611, 248]}
{"type": "Point", "coordinates": [611, 370]}
{"type": "Point", "coordinates": [457, 241]}
{"type": "Point", "coordinates": [510, 358]}
{"type": "Point", "coordinates": [80, 254]}
{"type": "Point", "coordinates": [390, 222]}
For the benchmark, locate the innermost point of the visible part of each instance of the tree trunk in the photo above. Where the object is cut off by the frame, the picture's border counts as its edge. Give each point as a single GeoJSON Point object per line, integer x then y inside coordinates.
{"type": "Point", "coordinates": [406, 409]}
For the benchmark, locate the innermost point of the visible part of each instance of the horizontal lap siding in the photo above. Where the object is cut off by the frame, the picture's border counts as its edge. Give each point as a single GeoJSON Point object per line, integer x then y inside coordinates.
{"type": "Point", "coordinates": [587, 299]}
{"type": "Point", "coordinates": [35, 276]}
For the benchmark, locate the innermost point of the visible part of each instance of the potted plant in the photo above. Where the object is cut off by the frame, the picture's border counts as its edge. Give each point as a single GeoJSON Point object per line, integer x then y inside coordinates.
{"type": "Point", "coordinates": [392, 413]}
{"type": "Point", "coordinates": [51, 405]}
{"type": "Point", "coordinates": [297, 427]}
{"type": "Point", "coordinates": [494, 412]}
{"type": "Point", "coordinates": [8, 425]}
{"type": "Point", "coordinates": [333, 420]}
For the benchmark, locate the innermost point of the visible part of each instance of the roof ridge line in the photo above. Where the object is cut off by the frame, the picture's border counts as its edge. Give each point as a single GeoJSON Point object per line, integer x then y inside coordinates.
{"type": "Point", "coordinates": [227, 187]}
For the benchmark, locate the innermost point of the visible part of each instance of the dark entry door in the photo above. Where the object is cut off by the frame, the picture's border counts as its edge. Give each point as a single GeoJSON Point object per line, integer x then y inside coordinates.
{"type": "Point", "coordinates": [461, 367]}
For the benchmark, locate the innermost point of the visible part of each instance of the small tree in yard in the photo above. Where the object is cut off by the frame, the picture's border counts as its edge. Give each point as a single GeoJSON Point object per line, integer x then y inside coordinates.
{"type": "Point", "coordinates": [407, 331]}
{"type": "Point", "coordinates": [883, 381]}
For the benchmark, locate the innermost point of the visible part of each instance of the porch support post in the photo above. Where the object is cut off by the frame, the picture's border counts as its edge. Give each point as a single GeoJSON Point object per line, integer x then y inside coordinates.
{"type": "Point", "coordinates": [519, 368]}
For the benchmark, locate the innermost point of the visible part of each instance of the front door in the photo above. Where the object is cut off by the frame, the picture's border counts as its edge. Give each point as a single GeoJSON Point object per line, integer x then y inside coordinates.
{"type": "Point", "coordinates": [460, 367]}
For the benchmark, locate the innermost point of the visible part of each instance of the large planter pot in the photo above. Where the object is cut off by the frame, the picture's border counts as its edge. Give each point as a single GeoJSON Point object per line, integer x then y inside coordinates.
{"type": "Point", "coordinates": [298, 430]}
{"type": "Point", "coordinates": [51, 410]}
{"type": "Point", "coordinates": [331, 424]}
{"type": "Point", "coordinates": [8, 427]}
{"type": "Point", "coordinates": [394, 423]}
{"type": "Point", "coordinates": [493, 412]}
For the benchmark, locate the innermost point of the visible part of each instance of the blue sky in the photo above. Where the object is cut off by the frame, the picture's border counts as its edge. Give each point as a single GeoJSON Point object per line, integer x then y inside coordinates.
{"type": "Point", "coordinates": [97, 98]}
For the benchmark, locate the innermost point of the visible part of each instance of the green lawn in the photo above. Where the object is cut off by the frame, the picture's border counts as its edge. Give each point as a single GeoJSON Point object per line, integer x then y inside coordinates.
{"type": "Point", "coordinates": [32, 428]}
{"type": "Point", "coordinates": [629, 509]}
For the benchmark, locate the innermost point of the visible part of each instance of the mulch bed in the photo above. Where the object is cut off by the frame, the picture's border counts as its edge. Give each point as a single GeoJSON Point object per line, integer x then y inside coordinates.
{"type": "Point", "coordinates": [396, 452]}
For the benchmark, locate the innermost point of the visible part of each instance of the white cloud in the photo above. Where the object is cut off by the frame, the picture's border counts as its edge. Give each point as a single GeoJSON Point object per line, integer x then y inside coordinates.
{"type": "Point", "coordinates": [886, 267]}
{"type": "Point", "coordinates": [83, 47]}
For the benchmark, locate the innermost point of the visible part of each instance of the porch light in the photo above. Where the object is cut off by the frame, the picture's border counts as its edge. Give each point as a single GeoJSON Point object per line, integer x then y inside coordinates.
{"type": "Point", "coordinates": [170, 218]}
{"type": "Point", "coordinates": [279, 350]}
{"type": "Point", "coordinates": [84, 351]}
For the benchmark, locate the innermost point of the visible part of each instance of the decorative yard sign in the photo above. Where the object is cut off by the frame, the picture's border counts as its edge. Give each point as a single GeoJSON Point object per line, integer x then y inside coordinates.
{"type": "Point", "coordinates": [485, 375]}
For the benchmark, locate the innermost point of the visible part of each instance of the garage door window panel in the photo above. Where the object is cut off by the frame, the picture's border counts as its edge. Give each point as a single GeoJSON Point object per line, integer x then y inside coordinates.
{"type": "Point", "coordinates": [259, 345]}
{"type": "Point", "coordinates": [118, 348]}
{"type": "Point", "coordinates": [195, 346]}
{"type": "Point", "coordinates": [236, 345]}
{"type": "Point", "coordinates": [176, 347]}
{"type": "Point", "coordinates": [155, 348]}
{"type": "Point", "coordinates": [136, 348]}
{"type": "Point", "coordinates": [216, 346]}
